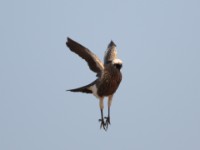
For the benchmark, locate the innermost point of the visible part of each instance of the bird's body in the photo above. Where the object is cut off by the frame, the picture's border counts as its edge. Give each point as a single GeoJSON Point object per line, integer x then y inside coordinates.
{"type": "Point", "coordinates": [109, 75]}
{"type": "Point", "coordinates": [109, 81]}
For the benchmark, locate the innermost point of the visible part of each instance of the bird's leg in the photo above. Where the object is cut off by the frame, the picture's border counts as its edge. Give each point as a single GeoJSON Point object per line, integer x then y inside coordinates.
{"type": "Point", "coordinates": [103, 124]}
{"type": "Point", "coordinates": [108, 118]}
{"type": "Point", "coordinates": [102, 118]}
{"type": "Point", "coordinates": [109, 104]}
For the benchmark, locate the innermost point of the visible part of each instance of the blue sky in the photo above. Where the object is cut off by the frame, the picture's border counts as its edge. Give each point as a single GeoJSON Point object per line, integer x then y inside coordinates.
{"type": "Point", "coordinates": [157, 104]}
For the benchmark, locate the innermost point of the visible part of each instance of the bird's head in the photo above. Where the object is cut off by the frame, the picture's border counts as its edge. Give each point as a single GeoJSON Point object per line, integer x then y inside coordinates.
{"type": "Point", "coordinates": [117, 63]}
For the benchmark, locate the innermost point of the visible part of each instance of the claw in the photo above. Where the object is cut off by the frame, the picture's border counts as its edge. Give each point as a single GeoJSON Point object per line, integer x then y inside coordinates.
{"type": "Point", "coordinates": [103, 124]}
{"type": "Point", "coordinates": [107, 121]}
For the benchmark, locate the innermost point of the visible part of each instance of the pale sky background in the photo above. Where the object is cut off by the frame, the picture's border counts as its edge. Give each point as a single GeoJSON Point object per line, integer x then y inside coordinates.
{"type": "Point", "coordinates": [157, 106]}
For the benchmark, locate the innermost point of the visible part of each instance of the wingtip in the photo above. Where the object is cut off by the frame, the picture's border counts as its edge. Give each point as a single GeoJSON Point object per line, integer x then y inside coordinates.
{"type": "Point", "coordinates": [68, 41]}
{"type": "Point", "coordinates": [68, 90]}
{"type": "Point", "coordinates": [111, 44]}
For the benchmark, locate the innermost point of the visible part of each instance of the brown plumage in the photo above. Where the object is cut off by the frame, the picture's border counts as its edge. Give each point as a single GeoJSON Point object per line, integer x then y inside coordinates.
{"type": "Point", "coordinates": [109, 82]}
{"type": "Point", "coordinates": [109, 75]}
{"type": "Point", "coordinates": [93, 61]}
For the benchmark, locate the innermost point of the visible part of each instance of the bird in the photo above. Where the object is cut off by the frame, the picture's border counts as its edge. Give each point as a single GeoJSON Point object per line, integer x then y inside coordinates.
{"type": "Point", "coordinates": [108, 74]}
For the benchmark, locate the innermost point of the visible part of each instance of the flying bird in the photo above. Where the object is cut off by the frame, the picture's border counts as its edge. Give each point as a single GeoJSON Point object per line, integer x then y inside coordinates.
{"type": "Point", "coordinates": [108, 75]}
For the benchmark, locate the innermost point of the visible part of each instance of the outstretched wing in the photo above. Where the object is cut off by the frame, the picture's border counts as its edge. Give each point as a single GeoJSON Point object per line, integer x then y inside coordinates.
{"type": "Point", "coordinates": [110, 53]}
{"type": "Point", "coordinates": [93, 61]}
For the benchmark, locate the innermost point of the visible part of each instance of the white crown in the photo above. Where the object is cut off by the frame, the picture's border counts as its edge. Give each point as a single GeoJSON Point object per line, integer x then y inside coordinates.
{"type": "Point", "coordinates": [116, 61]}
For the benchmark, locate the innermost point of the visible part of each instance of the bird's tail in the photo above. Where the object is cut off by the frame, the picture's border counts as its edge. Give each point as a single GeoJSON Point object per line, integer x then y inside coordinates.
{"type": "Point", "coordinates": [84, 89]}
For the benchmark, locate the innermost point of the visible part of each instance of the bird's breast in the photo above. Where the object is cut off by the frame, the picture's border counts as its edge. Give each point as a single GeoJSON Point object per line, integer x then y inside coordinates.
{"type": "Point", "coordinates": [109, 83]}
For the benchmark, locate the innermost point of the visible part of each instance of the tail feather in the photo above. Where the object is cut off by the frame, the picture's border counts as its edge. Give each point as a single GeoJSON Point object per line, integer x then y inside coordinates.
{"type": "Point", "coordinates": [84, 89]}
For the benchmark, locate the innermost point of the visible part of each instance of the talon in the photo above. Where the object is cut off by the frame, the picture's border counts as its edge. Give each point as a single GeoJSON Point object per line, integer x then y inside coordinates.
{"type": "Point", "coordinates": [107, 121]}
{"type": "Point", "coordinates": [103, 124]}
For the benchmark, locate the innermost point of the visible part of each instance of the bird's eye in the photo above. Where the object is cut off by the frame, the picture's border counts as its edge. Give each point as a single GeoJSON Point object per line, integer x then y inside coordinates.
{"type": "Point", "coordinates": [118, 66]}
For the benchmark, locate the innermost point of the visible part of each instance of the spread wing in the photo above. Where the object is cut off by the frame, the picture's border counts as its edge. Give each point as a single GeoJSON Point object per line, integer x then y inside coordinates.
{"type": "Point", "coordinates": [111, 53]}
{"type": "Point", "coordinates": [93, 61]}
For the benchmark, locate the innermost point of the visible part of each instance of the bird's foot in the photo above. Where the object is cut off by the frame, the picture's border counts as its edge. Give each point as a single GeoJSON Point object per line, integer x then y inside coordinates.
{"type": "Point", "coordinates": [103, 124]}
{"type": "Point", "coordinates": [107, 121]}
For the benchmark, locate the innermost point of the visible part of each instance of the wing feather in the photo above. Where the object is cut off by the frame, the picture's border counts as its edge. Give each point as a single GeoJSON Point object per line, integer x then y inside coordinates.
{"type": "Point", "coordinates": [111, 53]}
{"type": "Point", "coordinates": [93, 61]}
